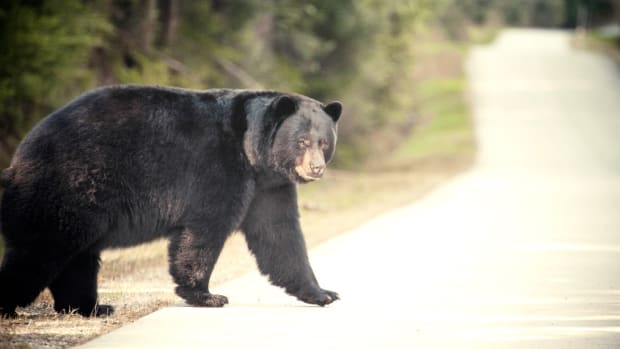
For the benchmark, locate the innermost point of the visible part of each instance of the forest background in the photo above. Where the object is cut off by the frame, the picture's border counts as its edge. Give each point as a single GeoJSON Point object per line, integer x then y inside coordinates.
{"type": "Point", "coordinates": [362, 52]}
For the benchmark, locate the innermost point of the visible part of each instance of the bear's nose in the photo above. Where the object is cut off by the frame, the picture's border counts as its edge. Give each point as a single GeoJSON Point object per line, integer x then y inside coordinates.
{"type": "Point", "coordinates": [317, 170]}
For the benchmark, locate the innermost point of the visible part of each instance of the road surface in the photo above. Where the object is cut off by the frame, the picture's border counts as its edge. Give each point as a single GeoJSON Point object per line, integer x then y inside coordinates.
{"type": "Point", "coordinates": [523, 251]}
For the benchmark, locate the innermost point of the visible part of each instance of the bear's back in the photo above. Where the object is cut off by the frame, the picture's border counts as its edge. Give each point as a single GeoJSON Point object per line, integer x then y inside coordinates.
{"type": "Point", "coordinates": [111, 124]}
{"type": "Point", "coordinates": [134, 154]}
{"type": "Point", "coordinates": [115, 140]}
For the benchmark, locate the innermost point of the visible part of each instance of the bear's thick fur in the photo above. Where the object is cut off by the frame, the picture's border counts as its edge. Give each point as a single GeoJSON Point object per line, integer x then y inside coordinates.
{"type": "Point", "coordinates": [123, 165]}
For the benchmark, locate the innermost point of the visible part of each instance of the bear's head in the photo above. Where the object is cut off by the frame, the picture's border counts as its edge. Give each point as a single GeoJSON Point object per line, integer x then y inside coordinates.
{"type": "Point", "coordinates": [303, 137]}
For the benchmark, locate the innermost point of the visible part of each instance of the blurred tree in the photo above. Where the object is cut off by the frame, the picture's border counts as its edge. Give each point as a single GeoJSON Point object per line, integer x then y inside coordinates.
{"type": "Point", "coordinates": [208, 42]}
{"type": "Point", "coordinates": [168, 18]}
{"type": "Point", "coordinates": [44, 55]}
{"type": "Point", "coordinates": [322, 48]}
{"type": "Point", "coordinates": [590, 13]}
{"type": "Point", "coordinates": [362, 51]}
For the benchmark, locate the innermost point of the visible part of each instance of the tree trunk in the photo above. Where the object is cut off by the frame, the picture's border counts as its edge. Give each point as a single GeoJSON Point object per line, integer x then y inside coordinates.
{"type": "Point", "coordinates": [168, 15]}
{"type": "Point", "coordinates": [145, 28]}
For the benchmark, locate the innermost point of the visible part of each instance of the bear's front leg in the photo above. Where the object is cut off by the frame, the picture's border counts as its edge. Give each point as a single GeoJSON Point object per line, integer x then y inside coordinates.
{"type": "Point", "coordinates": [274, 236]}
{"type": "Point", "coordinates": [192, 258]}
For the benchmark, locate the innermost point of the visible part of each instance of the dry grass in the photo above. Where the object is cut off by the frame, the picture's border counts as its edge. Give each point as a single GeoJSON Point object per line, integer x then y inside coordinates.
{"type": "Point", "coordinates": [136, 280]}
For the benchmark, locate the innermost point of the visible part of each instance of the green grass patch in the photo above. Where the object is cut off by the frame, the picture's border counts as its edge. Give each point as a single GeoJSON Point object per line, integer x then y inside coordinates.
{"type": "Point", "coordinates": [433, 89]}
{"type": "Point", "coordinates": [438, 47]}
{"type": "Point", "coordinates": [611, 41]}
{"type": "Point", "coordinates": [596, 42]}
{"type": "Point", "coordinates": [444, 128]}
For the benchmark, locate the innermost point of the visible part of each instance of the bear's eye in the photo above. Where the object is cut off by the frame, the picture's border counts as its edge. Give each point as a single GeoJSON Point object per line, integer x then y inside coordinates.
{"type": "Point", "coordinates": [323, 144]}
{"type": "Point", "coordinates": [303, 143]}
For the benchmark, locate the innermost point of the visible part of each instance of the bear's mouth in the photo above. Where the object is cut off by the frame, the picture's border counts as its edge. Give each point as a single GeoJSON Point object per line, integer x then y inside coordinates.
{"type": "Point", "coordinates": [302, 174]}
{"type": "Point", "coordinates": [306, 167]}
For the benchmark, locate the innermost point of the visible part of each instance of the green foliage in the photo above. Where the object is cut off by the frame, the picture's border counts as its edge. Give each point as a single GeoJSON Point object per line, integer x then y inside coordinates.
{"type": "Point", "coordinates": [591, 13]}
{"type": "Point", "coordinates": [442, 129]}
{"type": "Point", "coordinates": [359, 51]}
{"type": "Point", "coordinates": [44, 51]}
{"type": "Point", "coordinates": [363, 52]}
{"type": "Point", "coordinates": [453, 14]}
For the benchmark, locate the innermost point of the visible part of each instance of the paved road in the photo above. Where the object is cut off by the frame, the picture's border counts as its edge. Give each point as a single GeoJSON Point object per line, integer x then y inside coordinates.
{"type": "Point", "coordinates": [521, 252]}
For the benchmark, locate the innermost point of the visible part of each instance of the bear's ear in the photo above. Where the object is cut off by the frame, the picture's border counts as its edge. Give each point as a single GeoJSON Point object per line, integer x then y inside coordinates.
{"type": "Point", "coordinates": [284, 105]}
{"type": "Point", "coordinates": [334, 109]}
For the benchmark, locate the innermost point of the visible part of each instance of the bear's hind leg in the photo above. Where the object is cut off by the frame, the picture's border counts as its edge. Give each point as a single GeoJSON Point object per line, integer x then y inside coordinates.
{"type": "Point", "coordinates": [75, 288]}
{"type": "Point", "coordinates": [23, 275]}
{"type": "Point", "coordinates": [192, 258]}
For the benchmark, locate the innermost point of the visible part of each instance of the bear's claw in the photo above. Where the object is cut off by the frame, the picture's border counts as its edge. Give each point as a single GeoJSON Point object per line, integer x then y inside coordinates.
{"type": "Point", "coordinates": [334, 295]}
{"type": "Point", "coordinates": [320, 297]}
{"type": "Point", "coordinates": [215, 300]}
{"type": "Point", "coordinates": [201, 298]}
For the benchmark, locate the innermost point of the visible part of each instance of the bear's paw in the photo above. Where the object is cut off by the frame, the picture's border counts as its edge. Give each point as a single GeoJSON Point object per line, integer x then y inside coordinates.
{"type": "Point", "coordinates": [201, 298]}
{"type": "Point", "coordinates": [319, 297]}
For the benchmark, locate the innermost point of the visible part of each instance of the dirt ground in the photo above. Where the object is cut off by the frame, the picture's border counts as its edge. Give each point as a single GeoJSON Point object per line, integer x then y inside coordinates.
{"type": "Point", "coordinates": [136, 280]}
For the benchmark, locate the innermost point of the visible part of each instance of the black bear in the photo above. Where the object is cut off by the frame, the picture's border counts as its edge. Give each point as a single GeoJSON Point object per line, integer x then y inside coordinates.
{"type": "Point", "coordinates": [123, 165]}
